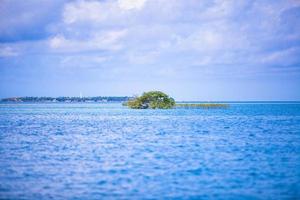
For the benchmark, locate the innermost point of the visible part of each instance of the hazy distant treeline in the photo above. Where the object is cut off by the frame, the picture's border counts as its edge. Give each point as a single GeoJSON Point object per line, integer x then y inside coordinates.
{"type": "Point", "coordinates": [66, 99]}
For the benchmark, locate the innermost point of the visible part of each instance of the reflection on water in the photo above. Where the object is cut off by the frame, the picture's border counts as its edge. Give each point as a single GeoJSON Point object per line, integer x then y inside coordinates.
{"type": "Point", "coordinates": [93, 151]}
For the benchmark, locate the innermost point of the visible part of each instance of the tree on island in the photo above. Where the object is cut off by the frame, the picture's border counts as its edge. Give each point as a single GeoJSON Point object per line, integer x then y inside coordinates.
{"type": "Point", "coordinates": [152, 100]}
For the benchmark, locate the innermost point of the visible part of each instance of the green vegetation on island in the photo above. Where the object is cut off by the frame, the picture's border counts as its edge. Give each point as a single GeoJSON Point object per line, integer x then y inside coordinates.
{"type": "Point", "coordinates": [152, 100]}
{"type": "Point", "coordinates": [160, 100]}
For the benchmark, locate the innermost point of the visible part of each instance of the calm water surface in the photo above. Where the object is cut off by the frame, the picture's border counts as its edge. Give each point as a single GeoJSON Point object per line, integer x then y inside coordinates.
{"type": "Point", "coordinates": [106, 151]}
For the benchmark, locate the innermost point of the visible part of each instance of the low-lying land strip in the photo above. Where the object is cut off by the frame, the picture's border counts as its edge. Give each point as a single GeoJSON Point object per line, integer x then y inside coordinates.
{"type": "Point", "coordinates": [201, 105]}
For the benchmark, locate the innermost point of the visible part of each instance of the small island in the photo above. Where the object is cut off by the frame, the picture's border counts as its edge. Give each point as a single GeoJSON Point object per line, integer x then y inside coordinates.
{"type": "Point", "coordinates": [152, 100]}
{"type": "Point", "coordinates": [160, 100]}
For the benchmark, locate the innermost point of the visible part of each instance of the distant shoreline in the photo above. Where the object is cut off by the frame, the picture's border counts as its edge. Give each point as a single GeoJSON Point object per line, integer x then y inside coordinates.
{"type": "Point", "coordinates": [99, 99]}
{"type": "Point", "coordinates": [119, 99]}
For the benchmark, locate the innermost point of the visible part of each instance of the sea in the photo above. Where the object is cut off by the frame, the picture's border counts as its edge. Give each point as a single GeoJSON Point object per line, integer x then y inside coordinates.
{"type": "Point", "coordinates": [250, 150]}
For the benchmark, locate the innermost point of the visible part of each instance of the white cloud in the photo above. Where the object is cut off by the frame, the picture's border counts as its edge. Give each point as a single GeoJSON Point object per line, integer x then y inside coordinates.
{"type": "Point", "coordinates": [158, 31]}
{"type": "Point", "coordinates": [219, 9]}
{"type": "Point", "coordinates": [203, 41]}
{"type": "Point", "coordinates": [81, 11]}
{"type": "Point", "coordinates": [20, 20]}
{"type": "Point", "coordinates": [142, 57]}
{"type": "Point", "coordinates": [6, 51]}
{"type": "Point", "coordinates": [108, 40]}
{"type": "Point", "coordinates": [83, 61]}
{"type": "Point", "coordinates": [281, 57]}
{"type": "Point", "coordinates": [131, 4]}
{"type": "Point", "coordinates": [167, 72]}
{"type": "Point", "coordinates": [58, 42]}
{"type": "Point", "coordinates": [100, 12]}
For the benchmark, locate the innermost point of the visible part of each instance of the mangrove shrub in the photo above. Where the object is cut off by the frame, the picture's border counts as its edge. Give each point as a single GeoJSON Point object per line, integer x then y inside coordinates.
{"type": "Point", "coordinates": [152, 100]}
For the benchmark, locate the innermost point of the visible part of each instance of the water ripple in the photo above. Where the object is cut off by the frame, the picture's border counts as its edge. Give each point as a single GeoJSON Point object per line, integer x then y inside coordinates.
{"type": "Point", "coordinates": [95, 151]}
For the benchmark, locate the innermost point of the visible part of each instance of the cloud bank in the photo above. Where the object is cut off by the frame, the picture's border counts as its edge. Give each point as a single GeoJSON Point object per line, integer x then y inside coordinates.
{"type": "Point", "coordinates": [149, 41]}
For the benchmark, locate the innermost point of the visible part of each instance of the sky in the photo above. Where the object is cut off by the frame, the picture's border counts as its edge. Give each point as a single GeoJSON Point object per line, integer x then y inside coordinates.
{"type": "Point", "coordinates": [210, 50]}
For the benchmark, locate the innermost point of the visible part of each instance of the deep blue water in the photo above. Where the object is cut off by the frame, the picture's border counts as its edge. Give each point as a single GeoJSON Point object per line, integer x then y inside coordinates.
{"type": "Point", "coordinates": [106, 151]}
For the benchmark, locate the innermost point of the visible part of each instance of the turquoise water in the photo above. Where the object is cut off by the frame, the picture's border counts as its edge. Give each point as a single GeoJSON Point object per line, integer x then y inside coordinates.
{"type": "Point", "coordinates": [106, 151]}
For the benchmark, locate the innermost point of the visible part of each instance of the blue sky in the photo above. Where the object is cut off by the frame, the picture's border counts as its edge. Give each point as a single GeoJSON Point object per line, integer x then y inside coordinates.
{"type": "Point", "coordinates": [190, 49]}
